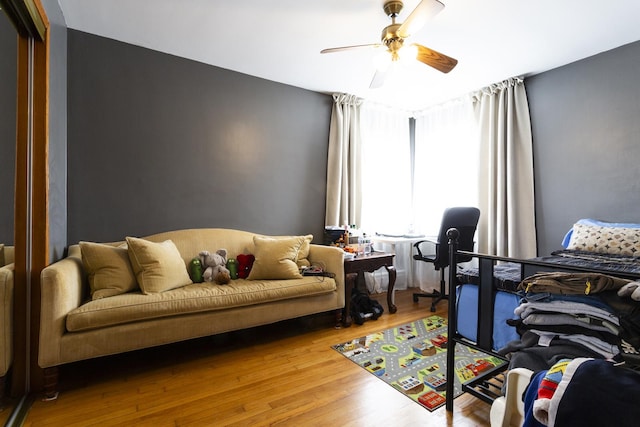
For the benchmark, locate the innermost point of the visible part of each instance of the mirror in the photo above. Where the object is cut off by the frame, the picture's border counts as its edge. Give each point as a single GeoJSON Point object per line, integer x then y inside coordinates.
{"type": "Point", "coordinates": [8, 94]}
{"type": "Point", "coordinates": [8, 61]}
{"type": "Point", "coordinates": [30, 94]}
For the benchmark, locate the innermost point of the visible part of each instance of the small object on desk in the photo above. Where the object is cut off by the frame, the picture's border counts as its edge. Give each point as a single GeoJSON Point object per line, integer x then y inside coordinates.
{"type": "Point", "coordinates": [366, 242]}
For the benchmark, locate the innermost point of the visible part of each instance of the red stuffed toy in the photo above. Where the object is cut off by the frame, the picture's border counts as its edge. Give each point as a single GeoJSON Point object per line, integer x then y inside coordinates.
{"type": "Point", "coordinates": [245, 262]}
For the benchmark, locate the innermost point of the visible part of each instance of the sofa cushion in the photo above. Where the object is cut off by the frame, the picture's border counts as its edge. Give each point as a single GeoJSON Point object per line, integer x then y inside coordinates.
{"type": "Point", "coordinates": [108, 269]}
{"type": "Point", "coordinates": [158, 266]}
{"type": "Point", "coordinates": [193, 298]}
{"type": "Point", "coordinates": [276, 257]}
{"type": "Point", "coordinates": [1, 254]}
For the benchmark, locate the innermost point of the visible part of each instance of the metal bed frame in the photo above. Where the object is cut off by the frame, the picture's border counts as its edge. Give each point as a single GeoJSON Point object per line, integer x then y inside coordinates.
{"type": "Point", "coordinates": [487, 386]}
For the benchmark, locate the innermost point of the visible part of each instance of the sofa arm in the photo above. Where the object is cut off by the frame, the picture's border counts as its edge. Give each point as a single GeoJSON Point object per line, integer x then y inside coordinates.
{"type": "Point", "coordinates": [62, 286]}
{"type": "Point", "coordinates": [331, 259]}
{"type": "Point", "coordinates": [6, 319]}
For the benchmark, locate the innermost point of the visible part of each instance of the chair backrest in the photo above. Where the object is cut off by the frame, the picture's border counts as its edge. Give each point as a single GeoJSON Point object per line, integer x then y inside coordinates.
{"type": "Point", "coordinates": [465, 220]}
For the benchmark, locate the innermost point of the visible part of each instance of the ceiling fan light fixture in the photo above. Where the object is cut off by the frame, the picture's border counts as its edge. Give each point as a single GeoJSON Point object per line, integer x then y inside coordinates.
{"type": "Point", "coordinates": [407, 54]}
{"type": "Point", "coordinates": [393, 38]}
{"type": "Point", "coordinates": [382, 60]}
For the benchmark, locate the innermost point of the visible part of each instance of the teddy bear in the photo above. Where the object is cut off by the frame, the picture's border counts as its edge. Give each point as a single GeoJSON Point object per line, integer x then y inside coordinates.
{"type": "Point", "coordinates": [215, 266]}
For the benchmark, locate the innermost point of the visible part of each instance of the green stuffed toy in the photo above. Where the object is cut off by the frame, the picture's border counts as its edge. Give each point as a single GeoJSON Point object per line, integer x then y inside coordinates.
{"type": "Point", "coordinates": [232, 266]}
{"type": "Point", "coordinates": [195, 270]}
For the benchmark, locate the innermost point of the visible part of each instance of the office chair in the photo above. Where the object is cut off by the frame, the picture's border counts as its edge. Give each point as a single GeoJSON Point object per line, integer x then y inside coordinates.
{"type": "Point", "coordinates": [465, 219]}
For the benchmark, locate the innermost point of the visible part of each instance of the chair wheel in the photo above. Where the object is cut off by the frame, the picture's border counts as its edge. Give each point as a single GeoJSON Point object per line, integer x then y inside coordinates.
{"type": "Point", "coordinates": [415, 298]}
{"type": "Point", "coordinates": [433, 308]}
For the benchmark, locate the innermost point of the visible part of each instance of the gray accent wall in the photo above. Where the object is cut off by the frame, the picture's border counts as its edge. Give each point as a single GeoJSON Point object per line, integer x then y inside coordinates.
{"type": "Point", "coordinates": [57, 152]}
{"type": "Point", "coordinates": [586, 135]}
{"type": "Point", "coordinates": [8, 94]}
{"type": "Point", "coordinates": [157, 142]}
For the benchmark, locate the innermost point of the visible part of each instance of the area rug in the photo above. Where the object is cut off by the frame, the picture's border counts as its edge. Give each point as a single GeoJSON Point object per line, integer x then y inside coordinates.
{"type": "Point", "coordinates": [412, 358]}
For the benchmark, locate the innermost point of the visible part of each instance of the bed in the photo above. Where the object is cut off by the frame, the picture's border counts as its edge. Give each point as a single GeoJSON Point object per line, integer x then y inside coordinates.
{"type": "Point", "coordinates": [490, 294]}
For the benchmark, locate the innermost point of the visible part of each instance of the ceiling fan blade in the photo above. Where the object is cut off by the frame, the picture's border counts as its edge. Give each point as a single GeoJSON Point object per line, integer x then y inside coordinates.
{"type": "Point", "coordinates": [425, 10]}
{"type": "Point", "coordinates": [378, 79]}
{"type": "Point", "coordinates": [340, 49]}
{"type": "Point", "coordinates": [435, 59]}
{"type": "Point", "coordinates": [383, 74]}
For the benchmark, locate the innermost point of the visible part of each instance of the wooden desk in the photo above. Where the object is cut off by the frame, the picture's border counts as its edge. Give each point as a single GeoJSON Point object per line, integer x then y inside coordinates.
{"type": "Point", "coordinates": [354, 270]}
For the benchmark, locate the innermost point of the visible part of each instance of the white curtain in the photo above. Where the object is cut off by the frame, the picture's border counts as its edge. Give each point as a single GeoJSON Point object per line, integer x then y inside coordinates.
{"type": "Point", "coordinates": [386, 170]}
{"type": "Point", "coordinates": [446, 171]}
{"type": "Point", "coordinates": [344, 162]}
{"type": "Point", "coordinates": [386, 187]}
{"type": "Point", "coordinates": [506, 192]}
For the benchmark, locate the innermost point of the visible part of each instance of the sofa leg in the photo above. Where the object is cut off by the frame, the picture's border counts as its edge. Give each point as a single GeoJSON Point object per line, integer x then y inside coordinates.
{"type": "Point", "coordinates": [50, 383]}
{"type": "Point", "coordinates": [339, 318]}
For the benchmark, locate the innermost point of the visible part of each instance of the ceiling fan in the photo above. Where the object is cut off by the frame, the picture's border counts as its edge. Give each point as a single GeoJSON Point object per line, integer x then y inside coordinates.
{"type": "Point", "coordinates": [394, 35]}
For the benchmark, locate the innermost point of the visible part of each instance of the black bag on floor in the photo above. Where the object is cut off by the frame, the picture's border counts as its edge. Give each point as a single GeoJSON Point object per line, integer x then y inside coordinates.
{"type": "Point", "coordinates": [363, 307]}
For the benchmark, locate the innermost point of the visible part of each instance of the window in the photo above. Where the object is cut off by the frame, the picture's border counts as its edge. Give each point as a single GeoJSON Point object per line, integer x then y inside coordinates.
{"type": "Point", "coordinates": [444, 166]}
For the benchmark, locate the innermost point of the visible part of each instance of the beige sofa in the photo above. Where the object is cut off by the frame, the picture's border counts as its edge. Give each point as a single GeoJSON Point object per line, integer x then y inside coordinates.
{"type": "Point", "coordinates": [73, 327]}
{"type": "Point", "coordinates": [6, 314]}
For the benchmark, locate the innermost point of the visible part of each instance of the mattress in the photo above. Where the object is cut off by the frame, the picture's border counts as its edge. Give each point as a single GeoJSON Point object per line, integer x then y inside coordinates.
{"type": "Point", "coordinates": [467, 315]}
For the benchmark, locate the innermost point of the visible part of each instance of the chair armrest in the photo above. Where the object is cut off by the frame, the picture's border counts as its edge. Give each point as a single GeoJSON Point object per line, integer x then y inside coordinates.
{"type": "Point", "coordinates": [420, 255]}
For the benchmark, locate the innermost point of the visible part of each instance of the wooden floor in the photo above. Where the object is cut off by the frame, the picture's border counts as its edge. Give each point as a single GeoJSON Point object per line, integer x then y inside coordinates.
{"type": "Point", "coordinates": [284, 374]}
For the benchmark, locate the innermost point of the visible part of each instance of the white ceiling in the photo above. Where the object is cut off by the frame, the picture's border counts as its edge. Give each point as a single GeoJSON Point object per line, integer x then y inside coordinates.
{"type": "Point", "coordinates": [280, 40]}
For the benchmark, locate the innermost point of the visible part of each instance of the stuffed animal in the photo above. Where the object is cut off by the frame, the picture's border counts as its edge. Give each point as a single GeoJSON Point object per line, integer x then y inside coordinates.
{"type": "Point", "coordinates": [245, 262]}
{"type": "Point", "coordinates": [215, 266]}
{"type": "Point", "coordinates": [195, 270]}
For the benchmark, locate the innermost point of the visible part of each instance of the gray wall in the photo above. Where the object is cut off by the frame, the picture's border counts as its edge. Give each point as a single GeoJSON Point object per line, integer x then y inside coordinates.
{"type": "Point", "coordinates": [586, 135]}
{"type": "Point", "coordinates": [8, 73]}
{"type": "Point", "coordinates": [157, 142]}
{"type": "Point", "coordinates": [57, 130]}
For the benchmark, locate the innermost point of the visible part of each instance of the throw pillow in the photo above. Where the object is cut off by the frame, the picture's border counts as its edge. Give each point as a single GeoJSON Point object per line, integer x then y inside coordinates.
{"type": "Point", "coordinates": [303, 253]}
{"type": "Point", "coordinates": [108, 269]}
{"type": "Point", "coordinates": [608, 240]}
{"type": "Point", "coordinates": [276, 258]}
{"type": "Point", "coordinates": [158, 267]}
{"type": "Point", "coordinates": [1, 254]}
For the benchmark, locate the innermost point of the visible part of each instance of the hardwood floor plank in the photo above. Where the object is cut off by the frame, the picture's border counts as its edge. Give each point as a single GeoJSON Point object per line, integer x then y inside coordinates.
{"type": "Point", "coordinates": [284, 374]}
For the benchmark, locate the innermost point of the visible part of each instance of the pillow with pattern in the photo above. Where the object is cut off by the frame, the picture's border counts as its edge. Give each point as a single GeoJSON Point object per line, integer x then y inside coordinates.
{"type": "Point", "coordinates": [607, 240]}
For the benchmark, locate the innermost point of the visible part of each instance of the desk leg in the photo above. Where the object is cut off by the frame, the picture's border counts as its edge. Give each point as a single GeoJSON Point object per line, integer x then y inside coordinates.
{"type": "Point", "coordinates": [392, 282]}
{"type": "Point", "coordinates": [349, 280]}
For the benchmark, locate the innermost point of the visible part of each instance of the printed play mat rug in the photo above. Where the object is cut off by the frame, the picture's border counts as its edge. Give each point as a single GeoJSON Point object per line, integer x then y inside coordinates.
{"type": "Point", "coordinates": [412, 358]}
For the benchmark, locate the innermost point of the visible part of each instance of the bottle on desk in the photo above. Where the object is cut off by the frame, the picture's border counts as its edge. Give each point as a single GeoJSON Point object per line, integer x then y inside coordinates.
{"type": "Point", "coordinates": [364, 244]}
{"type": "Point", "coordinates": [367, 245]}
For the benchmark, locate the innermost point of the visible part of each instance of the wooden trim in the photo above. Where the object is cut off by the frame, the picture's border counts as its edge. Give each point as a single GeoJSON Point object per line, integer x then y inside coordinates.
{"type": "Point", "coordinates": [39, 17]}
{"type": "Point", "coordinates": [40, 197]}
{"type": "Point", "coordinates": [26, 373]}
{"type": "Point", "coordinates": [18, 382]}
